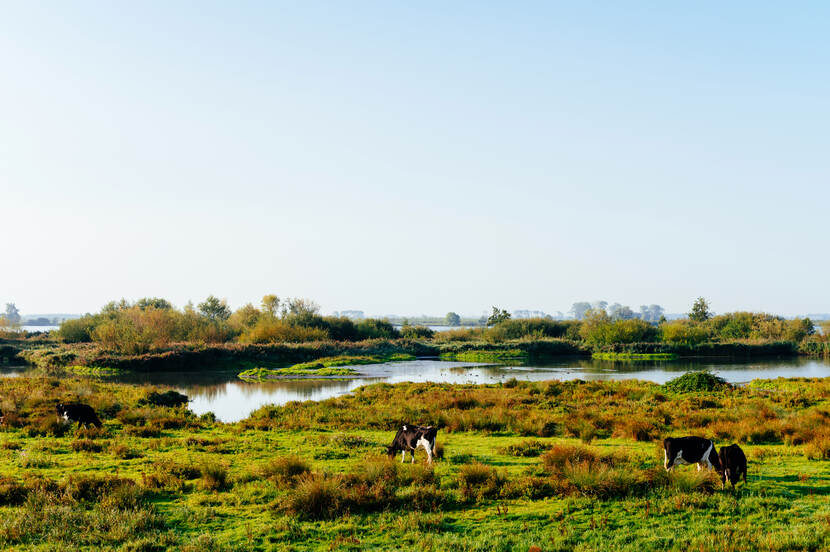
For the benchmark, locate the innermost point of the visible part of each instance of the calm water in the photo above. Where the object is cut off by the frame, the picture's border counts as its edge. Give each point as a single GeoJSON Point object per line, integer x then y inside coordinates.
{"type": "Point", "coordinates": [232, 399]}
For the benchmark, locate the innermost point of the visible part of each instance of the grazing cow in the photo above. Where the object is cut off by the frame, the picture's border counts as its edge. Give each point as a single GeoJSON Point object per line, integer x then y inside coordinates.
{"type": "Point", "coordinates": [690, 450]}
{"type": "Point", "coordinates": [409, 437]}
{"type": "Point", "coordinates": [733, 464]}
{"type": "Point", "coordinates": [81, 413]}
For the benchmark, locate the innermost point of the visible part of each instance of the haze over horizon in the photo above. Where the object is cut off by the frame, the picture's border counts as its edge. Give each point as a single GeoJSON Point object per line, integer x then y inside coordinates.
{"type": "Point", "coordinates": [415, 159]}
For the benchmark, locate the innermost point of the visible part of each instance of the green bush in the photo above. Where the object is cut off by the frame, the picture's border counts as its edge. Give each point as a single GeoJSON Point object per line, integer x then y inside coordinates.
{"type": "Point", "coordinates": [77, 330]}
{"type": "Point", "coordinates": [169, 398]}
{"type": "Point", "coordinates": [697, 381]}
{"type": "Point", "coordinates": [530, 327]}
{"type": "Point", "coordinates": [417, 332]}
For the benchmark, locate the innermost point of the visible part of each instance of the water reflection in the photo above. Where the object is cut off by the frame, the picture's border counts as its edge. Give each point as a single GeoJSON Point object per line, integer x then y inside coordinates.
{"type": "Point", "coordinates": [11, 371]}
{"type": "Point", "coordinates": [231, 399]}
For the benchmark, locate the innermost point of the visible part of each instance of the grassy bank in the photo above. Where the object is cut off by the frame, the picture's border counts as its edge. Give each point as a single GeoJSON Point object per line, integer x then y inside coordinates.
{"type": "Point", "coordinates": [326, 366]}
{"type": "Point", "coordinates": [634, 356]}
{"type": "Point", "coordinates": [556, 466]}
{"type": "Point", "coordinates": [182, 357]}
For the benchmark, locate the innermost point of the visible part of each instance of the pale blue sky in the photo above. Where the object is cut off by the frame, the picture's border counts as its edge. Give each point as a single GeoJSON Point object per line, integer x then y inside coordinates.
{"type": "Point", "coordinates": [416, 158]}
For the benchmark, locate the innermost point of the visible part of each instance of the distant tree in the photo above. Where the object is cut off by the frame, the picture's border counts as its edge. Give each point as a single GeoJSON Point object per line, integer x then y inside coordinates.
{"type": "Point", "coordinates": [651, 313]}
{"type": "Point", "coordinates": [700, 311]}
{"type": "Point", "coordinates": [271, 305]}
{"type": "Point", "coordinates": [579, 309]}
{"type": "Point", "coordinates": [498, 315]}
{"type": "Point", "coordinates": [12, 315]}
{"type": "Point", "coordinates": [620, 312]}
{"type": "Point", "coordinates": [113, 307]}
{"type": "Point", "coordinates": [214, 309]}
{"type": "Point", "coordinates": [300, 307]}
{"type": "Point", "coordinates": [600, 305]}
{"type": "Point", "coordinates": [154, 302]}
{"type": "Point", "coordinates": [452, 319]}
{"type": "Point", "coordinates": [245, 316]}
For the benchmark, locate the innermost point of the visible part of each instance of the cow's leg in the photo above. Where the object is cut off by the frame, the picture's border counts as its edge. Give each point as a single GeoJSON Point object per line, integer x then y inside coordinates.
{"type": "Point", "coordinates": [427, 446]}
{"type": "Point", "coordinates": [413, 454]}
{"type": "Point", "coordinates": [403, 456]}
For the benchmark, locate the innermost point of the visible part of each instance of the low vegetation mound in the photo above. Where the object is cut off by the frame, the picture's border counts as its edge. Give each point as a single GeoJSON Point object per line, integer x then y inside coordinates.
{"type": "Point", "coordinates": [168, 398]}
{"type": "Point", "coordinates": [691, 382]}
{"type": "Point", "coordinates": [326, 366]}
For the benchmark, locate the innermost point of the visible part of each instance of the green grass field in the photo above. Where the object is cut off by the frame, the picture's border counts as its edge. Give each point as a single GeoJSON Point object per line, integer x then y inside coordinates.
{"type": "Point", "coordinates": [157, 478]}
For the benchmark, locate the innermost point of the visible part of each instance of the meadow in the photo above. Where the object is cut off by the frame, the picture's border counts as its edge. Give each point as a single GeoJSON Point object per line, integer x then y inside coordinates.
{"type": "Point", "coordinates": [523, 466]}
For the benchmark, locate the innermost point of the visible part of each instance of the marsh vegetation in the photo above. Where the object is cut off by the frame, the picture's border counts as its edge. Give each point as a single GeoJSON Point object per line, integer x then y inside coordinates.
{"type": "Point", "coordinates": [575, 465]}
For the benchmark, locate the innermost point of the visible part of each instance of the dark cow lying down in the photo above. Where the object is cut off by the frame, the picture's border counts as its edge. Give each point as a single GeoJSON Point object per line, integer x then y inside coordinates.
{"type": "Point", "coordinates": [733, 464]}
{"type": "Point", "coordinates": [409, 437]}
{"type": "Point", "coordinates": [690, 450]}
{"type": "Point", "coordinates": [81, 413]}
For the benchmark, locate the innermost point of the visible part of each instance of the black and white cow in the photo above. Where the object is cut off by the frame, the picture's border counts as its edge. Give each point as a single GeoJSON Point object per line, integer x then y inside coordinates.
{"type": "Point", "coordinates": [409, 437]}
{"type": "Point", "coordinates": [733, 464]}
{"type": "Point", "coordinates": [81, 413]}
{"type": "Point", "coordinates": [690, 450]}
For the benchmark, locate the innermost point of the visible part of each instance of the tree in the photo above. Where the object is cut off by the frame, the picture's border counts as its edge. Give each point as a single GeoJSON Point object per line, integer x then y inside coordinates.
{"type": "Point", "coordinates": [579, 309]}
{"type": "Point", "coordinates": [619, 312]}
{"type": "Point", "coordinates": [214, 309]}
{"type": "Point", "coordinates": [600, 305]}
{"type": "Point", "coordinates": [300, 307]}
{"type": "Point", "coordinates": [12, 315]}
{"type": "Point", "coordinates": [154, 302]}
{"type": "Point", "coordinates": [271, 305]}
{"type": "Point", "coordinates": [498, 315]}
{"type": "Point", "coordinates": [700, 311]}
{"type": "Point", "coordinates": [245, 316]}
{"type": "Point", "coordinates": [452, 319]}
{"type": "Point", "coordinates": [651, 313]}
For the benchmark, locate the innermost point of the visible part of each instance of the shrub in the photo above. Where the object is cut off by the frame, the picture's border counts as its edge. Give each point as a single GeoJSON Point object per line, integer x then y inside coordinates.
{"type": "Point", "coordinates": [417, 332]}
{"type": "Point", "coordinates": [639, 430]}
{"type": "Point", "coordinates": [214, 476]}
{"type": "Point", "coordinates": [12, 492]}
{"type": "Point", "coordinates": [684, 332]}
{"type": "Point", "coordinates": [697, 381]}
{"type": "Point", "coordinates": [529, 327]}
{"type": "Point", "coordinates": [478, 481]}
{"type": "Point", "coordinates": [314, 497]}
{"type": "Point", "coordinates": [526, 448]}
{"type": "Point", "coordinates": [92, 488]}
{"type": "Point", "coordinates": [143, 431]}
{"type": "Point", "coordinates": [277, 331]}
{"type": "Point", "coordinates": [78, 330]}
{"type": "Point", "coordinates": [818, 448]}
{"type": "Point", "coordinates": [284, 468]}
{"type": "Point", "coordinates": [47, 427]}
{"type": "Point", "coordinates": [87, 445]}
{"type": "Point", "coordinates": [169, 398]}
{"type": "Point", "coordinates": [123, 451]}
{"type": "Point", "coordinates": [559, 455]}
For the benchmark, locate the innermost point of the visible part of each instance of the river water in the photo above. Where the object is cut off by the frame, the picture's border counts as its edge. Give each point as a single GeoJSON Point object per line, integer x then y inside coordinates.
{"type": "Point", "coordinates": [232, 399]}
